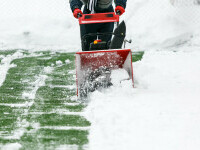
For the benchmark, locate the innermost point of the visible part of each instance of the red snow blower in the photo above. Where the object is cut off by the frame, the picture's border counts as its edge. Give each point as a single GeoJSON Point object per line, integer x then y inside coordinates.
{"type": "Point", "coordinates": [93, 68]}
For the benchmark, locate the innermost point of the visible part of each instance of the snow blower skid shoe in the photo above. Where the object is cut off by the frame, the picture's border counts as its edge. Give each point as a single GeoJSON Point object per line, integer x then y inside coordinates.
{"type": "Point", "coordinates": [94, 67]}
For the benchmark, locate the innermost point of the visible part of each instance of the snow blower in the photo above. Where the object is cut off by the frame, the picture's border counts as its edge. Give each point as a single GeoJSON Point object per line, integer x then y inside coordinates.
{"type": "Point", "coordinates": [93, 68]}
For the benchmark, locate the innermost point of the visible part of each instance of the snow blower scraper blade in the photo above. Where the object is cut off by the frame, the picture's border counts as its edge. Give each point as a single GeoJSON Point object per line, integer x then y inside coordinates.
{"type": "Point", "coordinates": [93, 69]}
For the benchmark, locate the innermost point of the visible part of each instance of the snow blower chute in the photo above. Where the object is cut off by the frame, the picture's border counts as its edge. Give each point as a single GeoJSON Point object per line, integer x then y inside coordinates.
{"type": "Point", "coordinates": [93, 68]}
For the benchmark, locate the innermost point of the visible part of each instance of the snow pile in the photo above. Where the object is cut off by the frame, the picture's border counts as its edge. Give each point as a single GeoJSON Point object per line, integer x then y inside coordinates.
{"type": "Point", "coordinates": [162, 112]}
{"type": "Point", "coordinates": [158, 23]}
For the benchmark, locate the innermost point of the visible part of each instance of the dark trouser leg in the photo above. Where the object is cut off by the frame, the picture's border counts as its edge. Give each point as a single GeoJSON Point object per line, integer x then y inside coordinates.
{"type": "Point", "coordinates": [95, 28]}
{"type": "Point", "coordinates": [106, 28]}
{"type": "Point", "coordinates": [86, 40]}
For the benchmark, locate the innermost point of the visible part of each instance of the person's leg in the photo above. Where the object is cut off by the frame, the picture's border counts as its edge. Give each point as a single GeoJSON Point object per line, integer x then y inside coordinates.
{"type": "Point", "coordinates": [106, 28]}
{"type": "Point", "coordinates": [86, 40]}
{"type": "Point", "coordinates": [86, 29]}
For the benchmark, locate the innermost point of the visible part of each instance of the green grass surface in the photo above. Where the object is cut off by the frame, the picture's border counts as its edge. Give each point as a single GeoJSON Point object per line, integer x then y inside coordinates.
{"type": "Point", "coordinates": [50, 118]}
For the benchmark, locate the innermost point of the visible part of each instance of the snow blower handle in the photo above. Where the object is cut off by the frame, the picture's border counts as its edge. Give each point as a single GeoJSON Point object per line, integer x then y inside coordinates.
{"type": "Point", "coordinates": [98, 18]}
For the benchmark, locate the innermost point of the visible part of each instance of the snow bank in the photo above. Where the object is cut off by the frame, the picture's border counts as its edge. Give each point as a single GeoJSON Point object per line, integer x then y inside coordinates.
{"type": "Point", "coordinates": [162, 112]}
{"type": "Point", "coordinates": [157, 23]}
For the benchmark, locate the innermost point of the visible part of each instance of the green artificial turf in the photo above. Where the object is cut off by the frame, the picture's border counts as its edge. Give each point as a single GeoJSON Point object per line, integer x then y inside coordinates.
{"type": "Point", "coordinates": [45, 120]}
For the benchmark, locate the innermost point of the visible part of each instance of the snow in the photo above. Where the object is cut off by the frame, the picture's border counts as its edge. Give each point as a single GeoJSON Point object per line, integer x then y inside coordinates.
{"type": "Point", "coordinates": [118, 75]}
{"type": "Point", "coordinates": [26, 104]}
{"type": "Point", "coordinates": [161, 112]}
{"type": "Point", "coordinates": [16, 134]}
{"type": "Point", "coordinates": [158, 24]}
{"type": "Point", "coordinates": [61, 112]}
{"type": "Point", "coordinates": [39, 82]}
{"type": "Point", "coordinates": [38, 25]}
{"type": "Point", "coordinates": [71, 87]}
{"type": "Point", "coordinates": [71, 147]}
{"type": "Point", "coordinates": [59, 63]}
{"type": "Point", "coordinates": [65, 128]}
{"type": "Point", "coordinates": [5, 65]}
{"type": "Point", "coordinates": [169, 71]}
{"type": "Point", "coordinates": [12, 146]}
{"type": "Point", "coordinates": [67, 61]}
{"type": "Point", "coordinates": [48, 69]}
{"type": "Point", "coordinates": [19, 131]}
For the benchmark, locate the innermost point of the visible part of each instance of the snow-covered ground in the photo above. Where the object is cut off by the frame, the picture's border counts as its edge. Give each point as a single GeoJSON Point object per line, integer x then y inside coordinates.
{"type": "Point", "coordinates": [38, 25]}
{"type": "Point", "coordinates": [162, 112]}
{"type": "Point", "coordinates": [158, 24]}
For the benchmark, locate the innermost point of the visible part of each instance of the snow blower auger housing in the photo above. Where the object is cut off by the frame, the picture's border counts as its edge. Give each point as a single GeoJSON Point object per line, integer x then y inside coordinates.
{"type": "Point", "coordinates": [93, 68]}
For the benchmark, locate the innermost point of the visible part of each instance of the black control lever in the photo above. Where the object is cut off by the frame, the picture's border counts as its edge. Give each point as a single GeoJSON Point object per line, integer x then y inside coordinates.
{"type": "Point", "coordinates": [79, 15]}
{"type": "Point", "coordinates": [118, 12]}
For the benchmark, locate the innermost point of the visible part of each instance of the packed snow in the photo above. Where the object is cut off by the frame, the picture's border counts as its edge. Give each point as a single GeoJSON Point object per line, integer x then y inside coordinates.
{"type": "Point", "coordinates": [162, 112]}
